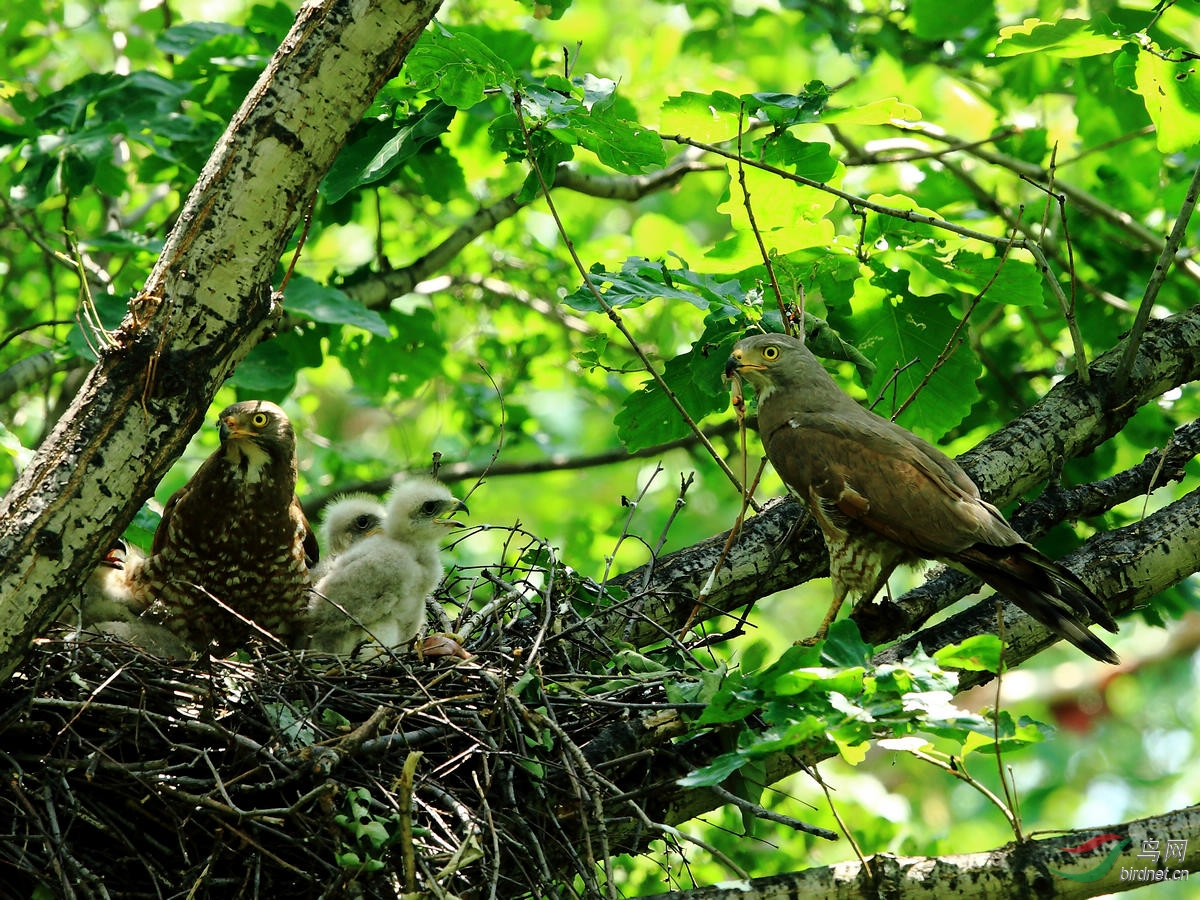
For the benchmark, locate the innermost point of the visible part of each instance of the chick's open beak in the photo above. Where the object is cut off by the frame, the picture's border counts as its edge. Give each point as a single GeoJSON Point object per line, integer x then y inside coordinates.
{"type": "Point", "coordinates": [452, 506]}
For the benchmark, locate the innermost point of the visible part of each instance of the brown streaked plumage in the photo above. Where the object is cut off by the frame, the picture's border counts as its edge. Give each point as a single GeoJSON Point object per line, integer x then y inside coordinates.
{"type": "Point", "coordinates": [882, 496]}
{"type": "Point", "coordinates": [233, 543]}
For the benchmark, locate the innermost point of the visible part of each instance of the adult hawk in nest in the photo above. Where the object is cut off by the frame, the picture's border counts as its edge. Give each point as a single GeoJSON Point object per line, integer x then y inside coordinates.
{"type": "Point", "coordinates": [882, 496]}
{"type": "Point", "coordinates": [376, 589]}
{"type": "Point", "coordinates": [232, 554]}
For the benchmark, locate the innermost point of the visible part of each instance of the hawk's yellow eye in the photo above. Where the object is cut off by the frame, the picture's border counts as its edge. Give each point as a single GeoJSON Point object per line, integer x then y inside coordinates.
{"type": "Point", "coordinates": [260, 420]}
{"type": "Point", "coordinates": [770, 353]}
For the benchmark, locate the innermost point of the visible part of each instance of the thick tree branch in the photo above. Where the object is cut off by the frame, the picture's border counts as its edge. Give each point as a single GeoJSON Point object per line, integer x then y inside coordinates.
{"type": "Point", "coordinates": [1015, 870]}
{"type": "Point", "coordinates": [205, 305]}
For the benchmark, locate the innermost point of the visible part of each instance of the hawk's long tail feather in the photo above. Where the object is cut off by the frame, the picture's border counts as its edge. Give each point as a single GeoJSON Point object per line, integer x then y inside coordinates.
{"type": "Point", "coordinates": [1047, 591]}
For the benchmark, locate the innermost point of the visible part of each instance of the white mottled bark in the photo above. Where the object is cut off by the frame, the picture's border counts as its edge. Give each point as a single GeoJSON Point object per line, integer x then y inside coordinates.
{"type": "Point", "coordinates": [206, 304]}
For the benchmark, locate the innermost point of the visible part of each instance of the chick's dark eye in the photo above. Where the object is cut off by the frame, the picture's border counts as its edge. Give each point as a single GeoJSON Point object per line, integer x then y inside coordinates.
{"type": "Point", "coordinates": [363, 522]}
{"type": "Point", "coordinates": [260, 420]}
{"type": "Point", "coordinates": [429, 507]}
{"type": "Point", "coordinates": [770, 353]}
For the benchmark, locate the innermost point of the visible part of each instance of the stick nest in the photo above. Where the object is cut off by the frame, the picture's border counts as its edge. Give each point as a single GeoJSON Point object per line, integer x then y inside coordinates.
{"type": "Point", "coordinates": [287, 775]}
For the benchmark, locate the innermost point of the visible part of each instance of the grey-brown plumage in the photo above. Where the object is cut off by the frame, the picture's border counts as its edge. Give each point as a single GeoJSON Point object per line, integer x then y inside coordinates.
{"type": "Point", "coordinates": [882, 496]}
{"type": "Point", "coordinates": [376, 590]}
{"type": "Point", "coordinates": [347, 520]}
{"type": "Point", "coordinates": [233, 546]}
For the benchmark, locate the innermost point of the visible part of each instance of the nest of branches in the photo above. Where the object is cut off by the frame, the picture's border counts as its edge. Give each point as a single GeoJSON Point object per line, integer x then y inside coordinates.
{"type": "Point", "coordinates": [275, 774]}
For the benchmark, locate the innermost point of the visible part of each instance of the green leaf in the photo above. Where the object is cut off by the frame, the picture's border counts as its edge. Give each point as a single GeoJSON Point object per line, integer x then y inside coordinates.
{"type": "Point", "coordinates": [1012, 735]}
{"type": "Point", "coordinates": [620, 144]}
{"type": "Point", "coordinates": [841, 681]}
{"type": "Point", "coordinates": [639, 281]}
{"type": "Point", "coordinates": [456, 67]}
{"type": "Point", "coordinates": [702, 117]}
{"type": "Point", "coordinates": [181, 40]}
{"type": "Point", "coordinates": [808, 159]}
{"type": "Point", "coordinates": [715, 772]}
{"type": "Point", "coordinates": [385, 146]}
{"type": "Point", "coordinates": [888, 111]}
{"type": "Point", "coordinates": [980, 653]}
{"type": "Point", "coordinates": [845, 647]}
{"type": "Point", "coordinates": [1069, 38]}
{"type": "Point", "coordinates": [321, 303]}
{"type": "Point", "coordinates": [696, 378]}
{"type": "Point", "coordinates": [1171, 91]}
{"type": "Point", "coordinates": [905, 337]}
{"type": "Point", "coordinates": [784, 110]}
{"type": "Point", "coordinates": [937, 20]}
{"type": "Point", "coordinates": [1017, 282]}
{"type": "Point", "coordinates": [268, 369]}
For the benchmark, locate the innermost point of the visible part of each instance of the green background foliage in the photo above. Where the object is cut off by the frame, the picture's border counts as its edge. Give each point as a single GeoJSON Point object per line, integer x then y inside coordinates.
{"type": "Point", "coordinates": [396, 348]}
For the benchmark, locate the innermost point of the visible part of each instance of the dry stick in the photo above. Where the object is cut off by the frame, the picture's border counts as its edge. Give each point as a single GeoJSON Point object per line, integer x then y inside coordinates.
{"type": "Point", "coordinates": [762, 248]}
{"type": "Point", "coordinates": [1067, 306]}
{"type": "Point", "coordinates": [608, 309]}
{"type": "Point", "coordinates": [632, 505]}
{"type": "Point", "coordinates": [760, 812]}
{"type": "Point", "coordinates": [837, 817]}
{"type": "Point", "coordinates": [959, 771]}
{"type": "Point", "coordinates": [499, 437]}
{"type": "Point", "coordinates": [1015, 818]}
{"type": "Point", "coordinates": [590, 777]}
{"type": "Point", "coordinates": [733, 533]}
{"type": "Point", "coordinates": [1161, 267]}
{"type": "Point", "coordinates": [680, 503]}
{"type": "Point", "coordinates": [407, 774]}
{"type": "Point", "coordinates": [739, 406]}
{"type": "Point", "coordinates": [287, 276]}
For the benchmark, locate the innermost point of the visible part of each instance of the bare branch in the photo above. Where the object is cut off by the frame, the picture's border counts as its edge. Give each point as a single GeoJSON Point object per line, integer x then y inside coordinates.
{"type": "Point", "coordinates": [1161, 268]}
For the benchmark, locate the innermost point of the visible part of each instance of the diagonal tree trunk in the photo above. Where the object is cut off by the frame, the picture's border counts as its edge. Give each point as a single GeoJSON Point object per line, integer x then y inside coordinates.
{"type": "Point", "coordinates": [207, 302]}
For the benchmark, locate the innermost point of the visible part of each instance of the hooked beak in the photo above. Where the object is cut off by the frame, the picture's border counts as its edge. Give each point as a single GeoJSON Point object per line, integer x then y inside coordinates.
{"type": "Point", "coordinates": [737, 366]}
{"type": "Point", "coordinates": [228, 428]}
{"type": "Point", "coordinates": [451, 508]}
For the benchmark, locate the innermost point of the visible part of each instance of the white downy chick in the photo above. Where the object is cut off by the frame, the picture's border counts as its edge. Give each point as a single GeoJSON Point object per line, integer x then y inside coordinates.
{"type": "Point", "coordinates": [381, 582]}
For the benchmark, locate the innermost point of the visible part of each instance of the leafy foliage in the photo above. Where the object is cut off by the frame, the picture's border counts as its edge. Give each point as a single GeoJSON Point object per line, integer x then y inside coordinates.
{"type": "Point", "coordinates": [717, 168]}
{"type": "Point", "coordinates": [831, 695]}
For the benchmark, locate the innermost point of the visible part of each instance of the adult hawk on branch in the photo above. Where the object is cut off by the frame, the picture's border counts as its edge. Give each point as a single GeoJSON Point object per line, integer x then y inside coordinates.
{"type": "Point", "coordinates": [882, 496]}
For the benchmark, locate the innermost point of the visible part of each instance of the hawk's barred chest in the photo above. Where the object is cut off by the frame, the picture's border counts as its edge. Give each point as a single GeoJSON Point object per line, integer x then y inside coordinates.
{"type": "Point", "coordinates": [235, 533]}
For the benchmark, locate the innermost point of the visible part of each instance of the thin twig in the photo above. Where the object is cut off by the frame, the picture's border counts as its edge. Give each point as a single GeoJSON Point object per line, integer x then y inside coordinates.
{"type": "Point", "coordinates": [762, 248]}
{"type": "Point", "coordinates": [609, 310]}
{"type": "Point", "coordinates": [1161, 268]}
